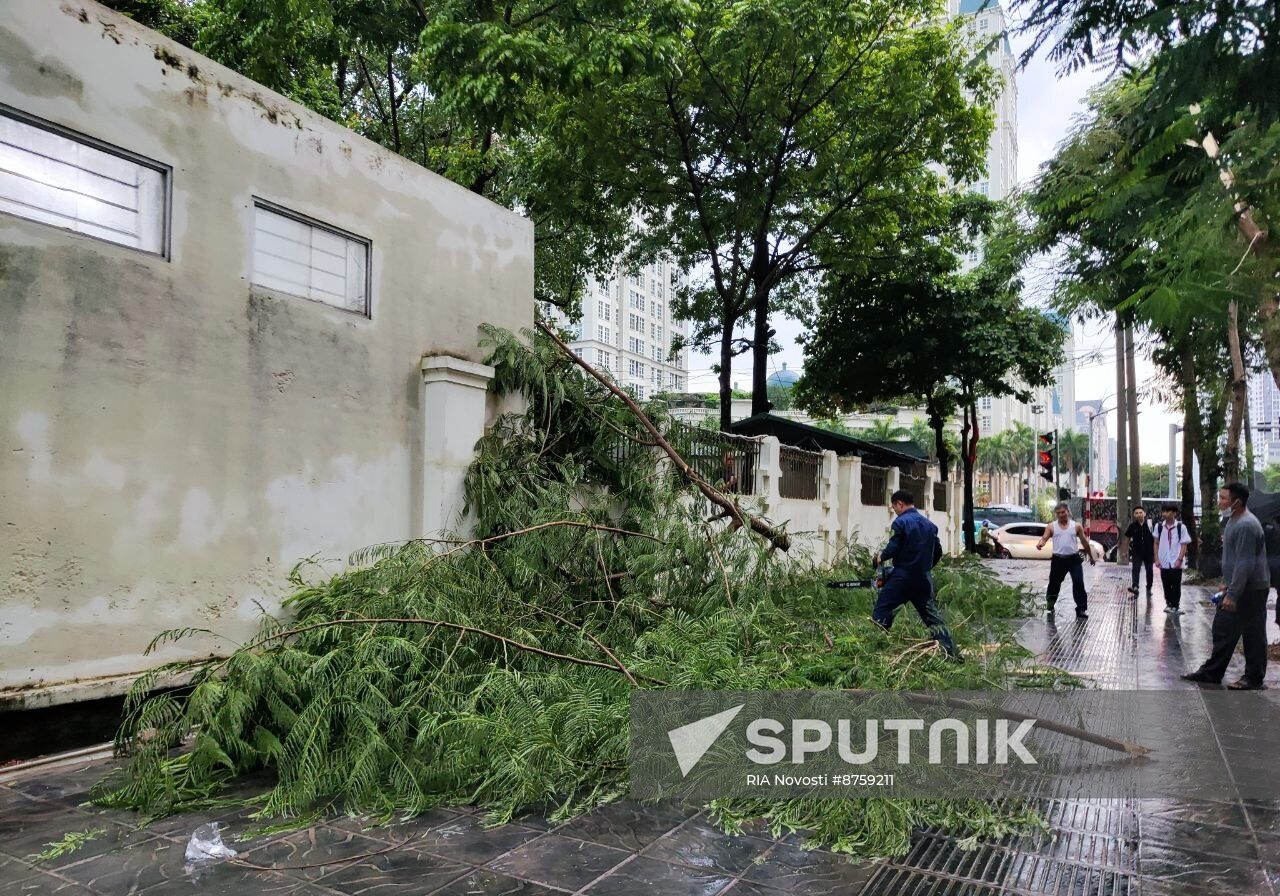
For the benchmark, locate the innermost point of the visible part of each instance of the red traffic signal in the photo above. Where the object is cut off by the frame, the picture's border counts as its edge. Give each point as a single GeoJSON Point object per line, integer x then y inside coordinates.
{"type": "Point", "coordinates": [1046, 456]}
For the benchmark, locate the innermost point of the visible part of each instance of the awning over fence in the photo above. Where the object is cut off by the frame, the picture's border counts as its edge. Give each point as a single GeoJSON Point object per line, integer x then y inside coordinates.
{"type": "Point", "coordinates": [813, 438]}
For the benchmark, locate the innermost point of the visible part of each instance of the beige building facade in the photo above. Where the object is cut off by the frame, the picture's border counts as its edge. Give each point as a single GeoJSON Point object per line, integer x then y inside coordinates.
{"type": "Point", "coordinates": [233, 336]}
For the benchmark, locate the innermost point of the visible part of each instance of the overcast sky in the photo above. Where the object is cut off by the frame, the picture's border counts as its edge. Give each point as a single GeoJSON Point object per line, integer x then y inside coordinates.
{"type": "Point", "coordinates": [1047, 103]}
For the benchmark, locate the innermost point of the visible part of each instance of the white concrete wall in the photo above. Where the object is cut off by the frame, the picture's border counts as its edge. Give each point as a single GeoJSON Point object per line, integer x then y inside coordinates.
{"type": "Point", "coordinates": [173, 441]}
{"type": "Point", "coordinates": [823, 527]}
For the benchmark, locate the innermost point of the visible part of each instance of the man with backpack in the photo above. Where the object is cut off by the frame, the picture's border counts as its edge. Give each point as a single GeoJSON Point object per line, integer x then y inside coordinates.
{"type": "Point", "coordinates": [1142, 550]}
{"type": "Point", "coordinates": [914, 549]}
{"type": "Point", "coordinates": [1172, 539]}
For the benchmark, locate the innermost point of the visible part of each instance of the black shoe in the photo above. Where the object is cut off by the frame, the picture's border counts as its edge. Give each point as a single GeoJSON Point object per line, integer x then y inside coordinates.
{"type": "Point", "coordinates": [1148, 594]}
{"type": "Point", "coordinates": [1080, 615]}
{"type": "Point", "coordinates": [1245, 684]}
{"type": "Point", "coordinates": [1048, 608]}
{"type": "Point", "coordinates": [1200, 678]}
{"type": "Point", "coordinates": [1133, 591]}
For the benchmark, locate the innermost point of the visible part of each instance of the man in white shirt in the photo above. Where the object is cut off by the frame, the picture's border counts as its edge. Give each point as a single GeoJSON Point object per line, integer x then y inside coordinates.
{"type": "Point", "coordinates": [1172, 539]}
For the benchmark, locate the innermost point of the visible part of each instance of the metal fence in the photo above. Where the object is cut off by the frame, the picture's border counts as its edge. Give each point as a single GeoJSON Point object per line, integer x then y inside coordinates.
{"type": "Point", "coordinates": [940, 497]}
{"type": "Point", "coordinates": [801, 474]}
{"type": "Point", "coordinates": [875, 486]}
{"type": "Point", "coordinates": [916, 485]}
{"type": "Point", "coordinates": [726, 461]}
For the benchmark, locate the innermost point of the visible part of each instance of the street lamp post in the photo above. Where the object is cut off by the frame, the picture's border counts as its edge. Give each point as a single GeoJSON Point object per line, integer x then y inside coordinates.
{"type": "Point", "coordinates": [1036, 411]}
{"type": "Point", "coordinates": [1174, 429]}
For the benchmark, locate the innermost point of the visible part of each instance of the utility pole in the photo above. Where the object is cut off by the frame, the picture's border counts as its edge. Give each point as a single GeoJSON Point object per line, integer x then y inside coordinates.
{"type": "Point", "coordinates": [1174, 429]}
{"type": "Point", "coordinates": [1135, 463]}
{"type": "Point", "coordinates": [1122, 444]}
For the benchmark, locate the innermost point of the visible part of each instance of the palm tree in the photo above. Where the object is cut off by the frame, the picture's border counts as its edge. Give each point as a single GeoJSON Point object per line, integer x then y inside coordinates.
{"type": "Point", "coordinates": [998, 456]}
{"type": "Point", "coordinates": [1073, 455]}
{"type": "Point", "coordinates": [886, 430]}
{"type": "Point", "coordinates": [922, 434]}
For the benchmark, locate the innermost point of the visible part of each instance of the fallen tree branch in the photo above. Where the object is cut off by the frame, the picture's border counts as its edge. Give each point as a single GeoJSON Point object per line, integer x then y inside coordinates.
{"type": "Point", "coordinates": [453, 626]}
{"type": "Point", "coordinates": [1083, 734]}
{"type": "Point", "coordinates": [776, 537]}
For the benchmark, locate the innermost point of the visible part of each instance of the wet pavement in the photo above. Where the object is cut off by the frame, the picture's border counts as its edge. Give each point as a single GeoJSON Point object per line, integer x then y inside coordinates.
{"type": "Point", "coordinates": [1102, 847]}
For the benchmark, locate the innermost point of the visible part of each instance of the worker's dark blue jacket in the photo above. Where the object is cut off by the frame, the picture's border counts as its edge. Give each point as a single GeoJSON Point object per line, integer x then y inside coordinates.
{"type": "Point", "coordinates": [912, 546]}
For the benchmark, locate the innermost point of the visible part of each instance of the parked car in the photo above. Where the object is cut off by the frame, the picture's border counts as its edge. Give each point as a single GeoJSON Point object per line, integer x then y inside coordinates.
{"type": "Point", "coordinates": [1020, 539]}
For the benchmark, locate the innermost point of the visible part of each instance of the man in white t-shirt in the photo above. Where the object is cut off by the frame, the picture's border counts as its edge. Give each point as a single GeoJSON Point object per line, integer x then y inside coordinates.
{"type": "Point", "coordinates": [1172, 539]}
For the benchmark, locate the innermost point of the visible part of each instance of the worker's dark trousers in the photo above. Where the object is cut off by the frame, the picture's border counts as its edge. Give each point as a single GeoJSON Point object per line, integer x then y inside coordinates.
{"type": "Point", "coordinates": [1248, 621]}
{"type": "Point", "coordinates": [1171, 582]}
{"type": "Point", "coordinates": [916, 590]}
{"type": "Point", "coordinates": [1059, 569]}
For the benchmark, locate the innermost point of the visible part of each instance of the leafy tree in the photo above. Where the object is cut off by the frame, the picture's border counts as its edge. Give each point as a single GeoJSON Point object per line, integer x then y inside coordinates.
{"type": "Point", "coordinates": [1271, 477]}
{"type": "Point", "coordinates": [791, 138]}
{"type": "Point", "coordinates": [894, 331]}
{"type": "Point", "coordinates": [922, 434]}
{"type": "Point", "coordinates": [886, 429]}
{"type": "Point", "coordinates": [1073, 455]}
{"type": "Point", "coordinates": [780, 397]}
{"type": "Point", "coordinates": [1155, 481]}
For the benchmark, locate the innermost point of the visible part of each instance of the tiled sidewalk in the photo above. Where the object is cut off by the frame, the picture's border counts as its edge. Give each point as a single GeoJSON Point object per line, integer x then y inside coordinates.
{"type": "Point", "coordinates": [1097, 847]}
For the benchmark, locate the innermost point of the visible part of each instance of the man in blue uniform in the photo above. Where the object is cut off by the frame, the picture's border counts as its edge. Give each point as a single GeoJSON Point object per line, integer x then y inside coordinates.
{"type": "Point", "coordinates": [914, 550]}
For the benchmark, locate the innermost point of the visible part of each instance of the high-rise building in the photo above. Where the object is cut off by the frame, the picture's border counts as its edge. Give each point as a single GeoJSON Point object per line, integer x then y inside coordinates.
{"type": "Point", "coordinates": [1051, 407]}
{"type": "Point", "coordinates": [1101, 453]}
{"type": "Point", "coordinates": [1264, 418]}
{"type": "Point", "coordinates": [988, 24]}
{"type": "Point", "coordinates": [627, 329]}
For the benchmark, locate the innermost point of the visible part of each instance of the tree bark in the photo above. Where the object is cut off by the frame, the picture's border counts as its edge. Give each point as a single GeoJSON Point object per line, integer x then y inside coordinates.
{"type": "Point", "coordinates": [1231, 453]}
{"type": "Point", "coordinates": [1131, 377]}
{"type": "Point", "coordinates": [939, 440]}
{"type": "Point", "coordinates": [777, 538]}
{"type": "Point", "coordinates": [1122, 445]}
{"type": "Point", "coordinates": [1190, 438]}
{"type": "Point", "coordinates": [1249, 469]}
{"type": "Point", "coordinates": [969, 452]}
{"type": "Point", "coordinates": [760, 353]}
{"type": "Point", "coordinates": [726, 373]}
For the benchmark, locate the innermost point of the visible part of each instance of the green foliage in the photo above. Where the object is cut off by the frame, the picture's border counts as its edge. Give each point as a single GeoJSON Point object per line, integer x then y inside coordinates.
{"type": "Point", "coordinates": [1155, 482]}
{"type": "Point", "coordinates": [70, 842]}
{"type": "Point", "coordinates": [496, 670]}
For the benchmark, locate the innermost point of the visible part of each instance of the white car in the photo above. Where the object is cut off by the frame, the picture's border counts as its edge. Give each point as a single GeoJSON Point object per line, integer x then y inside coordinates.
{"type": "Point", "coordinates": [1021, 538]}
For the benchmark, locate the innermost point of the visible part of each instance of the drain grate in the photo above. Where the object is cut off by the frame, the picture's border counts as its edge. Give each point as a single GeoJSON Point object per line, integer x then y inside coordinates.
{"type": "Point", "coordinates": [1091, 847]}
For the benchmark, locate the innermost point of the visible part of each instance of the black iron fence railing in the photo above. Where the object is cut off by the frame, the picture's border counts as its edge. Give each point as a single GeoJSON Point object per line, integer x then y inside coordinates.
{"type": "Point", "coordinates": [875, 486]}
{"type": "Point", "coordinates": [801, 474]}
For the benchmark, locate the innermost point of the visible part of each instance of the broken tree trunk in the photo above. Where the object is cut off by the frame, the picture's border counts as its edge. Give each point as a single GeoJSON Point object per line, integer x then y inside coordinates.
{"type": "Point", "coordinates": [777, 538]}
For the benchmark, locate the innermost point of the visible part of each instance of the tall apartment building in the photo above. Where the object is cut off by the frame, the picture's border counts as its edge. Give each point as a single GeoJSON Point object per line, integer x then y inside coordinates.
{"type": "Point", "coordinates": [986, 20]}
{"type": "Point", "coordinates": [1264, 418]}
{"type": "Point", "coordinates": [1051, 407]}
{"type": "Point", "coordinates": [627, 329]}
{"type": "Point", "coordinates": [1102, 453]}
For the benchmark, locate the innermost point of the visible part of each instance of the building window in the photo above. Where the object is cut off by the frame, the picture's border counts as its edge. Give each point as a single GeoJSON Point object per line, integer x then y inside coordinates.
{"type": "Point", "coordinates": [602, 311]}
{"type": "Point", "coordinates": [637, 323]}
{"type": "Point", "coordinates": [635, 368]}
{"type": "Point", "coordinates": [602, 333]}
{"type": "Point", "coordinates": [301, 257]}
{"type": "Point", "coordinates": [604, 360]}
{"type": "Point", "coordinates": [636, 345]}
{"type": "Point", "coordinates": [985, 426]}
{"type": "Point", "coordinates": [72, 182]}
{"type": "Point", "coordinates": [986, 403]}
{"type": "Point", "coordinates": [657, 353]}
{"type": "Point", "coordinates": [637, 301]}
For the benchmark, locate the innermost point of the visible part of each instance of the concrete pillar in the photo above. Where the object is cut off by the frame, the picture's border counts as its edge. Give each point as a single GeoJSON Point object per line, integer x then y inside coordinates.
{"type": "Point", "coordinates": [829, 528]}
{"type": "Point", "coordinates": [454, 394]}
{"type": "Point", "coordinates": [769, 472]}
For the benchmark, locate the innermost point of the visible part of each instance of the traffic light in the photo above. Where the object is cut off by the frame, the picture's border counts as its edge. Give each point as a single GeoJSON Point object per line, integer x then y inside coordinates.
{"type": "Point", "coordinates": [1046, 455]}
